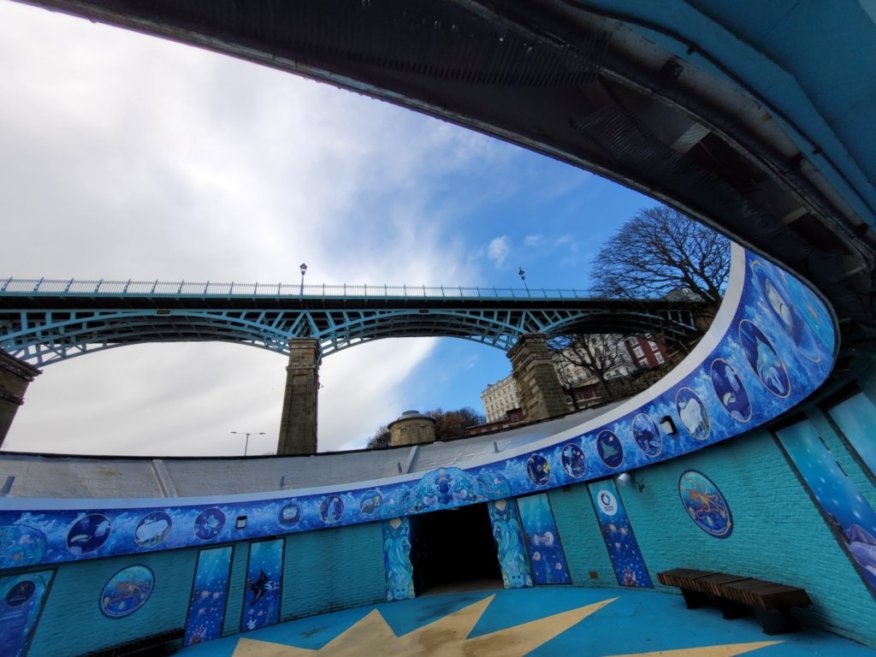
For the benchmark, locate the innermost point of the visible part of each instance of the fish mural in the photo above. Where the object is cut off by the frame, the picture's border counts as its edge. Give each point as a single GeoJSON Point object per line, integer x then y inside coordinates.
{"type": "Point", "coordinates": [759, 347]}
{"type": "Point", "coordinates": [510, 543]}
{"type": "Point", "coordinates": [126, 591]}
{"type": "Point", "coordinates": [209, 596]}
{"type": "Point", "coordinates": [546, 556]}
{"type": "Point", "coordinates": [261, 603]}
{"type": "Point", "coordinates": [617, 533]}
{"type": "Point", "coordinates": [21, 601]}
{"type": "Point", "coordinates": [397, 559]}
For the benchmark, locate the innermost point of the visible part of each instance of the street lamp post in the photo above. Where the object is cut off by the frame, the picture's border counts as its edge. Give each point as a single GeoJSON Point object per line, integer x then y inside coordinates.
{"type": "Point", "coordinates": [303, 269]}
{"type": "Point", "coordinates": [522, 275]}
{"type": "Point", "coordinates": [247, 434]}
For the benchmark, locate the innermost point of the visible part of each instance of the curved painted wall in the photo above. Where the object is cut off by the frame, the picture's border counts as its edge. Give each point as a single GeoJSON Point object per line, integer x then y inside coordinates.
{"type": "Point", "coordinates": [771, 345]}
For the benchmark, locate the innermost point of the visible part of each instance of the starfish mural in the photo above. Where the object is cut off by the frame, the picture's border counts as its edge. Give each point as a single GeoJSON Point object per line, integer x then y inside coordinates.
{"type": "Point", "coordinates": [448, 637]}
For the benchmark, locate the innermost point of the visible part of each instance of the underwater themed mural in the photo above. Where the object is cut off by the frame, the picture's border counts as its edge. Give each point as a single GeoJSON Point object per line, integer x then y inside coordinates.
{"type": "Point", "coordinates": [264, 576]}
{"type": "Point", "coordinates": [705, 504]}
{"type": "Point", "coordinates": [546, 556]}
{"type": "Point", "coordinates": [510, 543]}
{"type": "Point", "coordinates": [855, 418]}
{"type": "Point", "coordinates": [209, 594]}
{"type": "Point", "coordinates": [126, 591]}
{"type": "Point", "coordinates": [848, 514]}
{"type": "Point", "coordinates": [397, 559]}
{"type": "Point", "coordinates": [21, 600]}
{"type": "Point", "coordinates": [21, 545]}
{"type": "Point", "coordinates": [617, 532]}
{"type": "Point", "coordinates": [771, 331]}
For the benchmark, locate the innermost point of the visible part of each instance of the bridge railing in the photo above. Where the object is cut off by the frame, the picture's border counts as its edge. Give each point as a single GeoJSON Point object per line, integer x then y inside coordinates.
{"type": "Point", "coordinates": [55, 287]}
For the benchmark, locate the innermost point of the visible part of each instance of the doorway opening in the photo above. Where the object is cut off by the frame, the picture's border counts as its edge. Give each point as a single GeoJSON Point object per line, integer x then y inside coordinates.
{"type": "Point", "coordinates": [454, 550]}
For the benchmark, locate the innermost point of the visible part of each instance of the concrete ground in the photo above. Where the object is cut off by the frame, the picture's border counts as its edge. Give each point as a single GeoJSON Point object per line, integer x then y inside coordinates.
{"type": "Point", "coordinates": [542, 622]}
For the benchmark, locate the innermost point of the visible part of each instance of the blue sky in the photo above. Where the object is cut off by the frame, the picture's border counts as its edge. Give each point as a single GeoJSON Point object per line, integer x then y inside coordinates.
{"type": "Point", "coordinates": [125, 156]}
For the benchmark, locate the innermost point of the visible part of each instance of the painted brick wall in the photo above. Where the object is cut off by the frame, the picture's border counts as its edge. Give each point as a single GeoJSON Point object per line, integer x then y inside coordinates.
{"type": "Point", "coordinates": [72, 622]}
{"type": "Point", "coordinates": [333, 569]}
{"type": "Point", "coordinates": [582, 540]}
{"type": "Point", "coordinates": [778, 533]}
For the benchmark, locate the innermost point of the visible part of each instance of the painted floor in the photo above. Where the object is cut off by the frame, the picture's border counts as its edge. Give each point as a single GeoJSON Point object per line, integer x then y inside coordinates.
{"type": "Point", "coordinates": [541, 622]}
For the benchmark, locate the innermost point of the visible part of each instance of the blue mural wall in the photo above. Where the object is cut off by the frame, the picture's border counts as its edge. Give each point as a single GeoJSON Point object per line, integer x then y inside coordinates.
{"type": "Point", "coordinates": [264, 577]}
{"type": "Point", "coordinates": [705, 504]}
{"type": "Point", "coordinates": [510, 543]}
{"type": "Point", "coordinates": [849, 515]}
{"type": "Point", "coordinates": [855, 417]}
{"type": "Point", "coordinates": [127, 591]}
{"type": "Point", "coordinates": [617, 532]}
{"type": "Point", "coordinates": [546, 556]}
{"type": "Point", "coordinates": [21, 600]}
{"type": "Point", "coordinates": [773, 345]}
{"type": "Point", "coordinates": [209, 595]}
{"type": "Point", "coordinates": [397, 559]}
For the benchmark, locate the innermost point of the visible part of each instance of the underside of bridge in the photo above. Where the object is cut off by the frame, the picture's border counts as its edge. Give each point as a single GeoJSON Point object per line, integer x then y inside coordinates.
{"type": "Point", "coordinates": [755, 117]}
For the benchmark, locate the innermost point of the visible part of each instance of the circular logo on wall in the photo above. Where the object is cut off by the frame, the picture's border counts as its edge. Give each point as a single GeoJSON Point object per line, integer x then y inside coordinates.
{"type": "Point", "coordinates": [331, 509]}
{"type": "Point", "coordinates": [126, 591]}
{"type": "Point", "coordinates": [692, 413]}
{"type": "Point", "coordinates": [21, 545]}
{"type": "Point", "coordinates": [607, 502]}
{"type": "Point", "coordinates": [573, 460]}
{"type": "Point", "coordinates": [610, 450]}
{"type": "Point", "coordinates": [20, 593]}
{"type": "Point", "coordinates": [705, 504]}
{"type": "Point", "coordinates": [538, 469]}
{"type": "Point", "coordinates": [153, 529]}
{"type": "Point", "coordinates": [647, 435]}
{"type": "Point", "coordinates": [209, 523]}
{"type": "Point", "coordinates": [88, 533]}
{"type": "Point", "coordinates": [290, 514]}
{"type": "Point", "coordinates": [729, 390]}
{"type": "Point", "coordinates": [370, 502]}
{"type": "Point", "coordinates": [762, 358]}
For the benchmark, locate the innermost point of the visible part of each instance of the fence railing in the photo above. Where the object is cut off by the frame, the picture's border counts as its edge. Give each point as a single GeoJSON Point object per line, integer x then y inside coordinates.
{"type": "Point", "coordinates": [55, 287]}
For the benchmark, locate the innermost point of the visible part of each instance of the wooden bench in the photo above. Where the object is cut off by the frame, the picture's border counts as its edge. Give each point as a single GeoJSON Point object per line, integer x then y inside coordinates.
{"type": "Point", "coordinates": [739, 596]}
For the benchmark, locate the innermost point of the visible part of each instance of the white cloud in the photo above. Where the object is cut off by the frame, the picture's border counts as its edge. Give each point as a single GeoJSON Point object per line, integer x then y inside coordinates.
{"type": "Point", "coordinates": [125, 156]}
{"type": "Point", "coordinates": [498, 250]}
{"type": "Point", "coordinates": [532, 240]}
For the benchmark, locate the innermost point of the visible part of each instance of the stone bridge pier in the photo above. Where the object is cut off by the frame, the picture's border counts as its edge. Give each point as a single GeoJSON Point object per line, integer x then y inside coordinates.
{"type": "Point", "coordinates": [298, 422]}
{"type": "Point", "coordinates": [541, 395]}
{"type": "Point", "coordinates": [15, 375]}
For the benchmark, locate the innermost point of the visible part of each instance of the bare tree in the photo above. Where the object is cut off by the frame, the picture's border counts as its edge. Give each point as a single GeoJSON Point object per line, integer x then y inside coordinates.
{"type": "Point", "coordinates": [597, 354]}
{"type": "Point", "coordinates": [379, 439]}
{"type": "Point", "coordinates": [660, 251]}
{"type": "Point", "coordinates": [452, 424]}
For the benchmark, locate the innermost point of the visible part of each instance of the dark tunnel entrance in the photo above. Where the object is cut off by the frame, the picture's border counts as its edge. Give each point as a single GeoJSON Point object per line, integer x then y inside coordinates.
{"type": "Point", "coordinates": [452, 549]}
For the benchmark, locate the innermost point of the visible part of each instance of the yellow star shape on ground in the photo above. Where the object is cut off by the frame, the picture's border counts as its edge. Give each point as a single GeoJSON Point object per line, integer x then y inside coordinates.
{"type": "Point", "coordinates": [448, 637]}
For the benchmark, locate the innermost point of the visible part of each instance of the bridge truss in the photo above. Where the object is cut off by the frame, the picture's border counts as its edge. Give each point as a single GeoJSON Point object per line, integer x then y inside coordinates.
{"type": "Point", "coordinates": [46, 321]}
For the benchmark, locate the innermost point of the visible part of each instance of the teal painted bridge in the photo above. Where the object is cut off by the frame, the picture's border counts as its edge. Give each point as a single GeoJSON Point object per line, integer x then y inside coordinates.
{"type": "Point", "coordinates": [45, 321]}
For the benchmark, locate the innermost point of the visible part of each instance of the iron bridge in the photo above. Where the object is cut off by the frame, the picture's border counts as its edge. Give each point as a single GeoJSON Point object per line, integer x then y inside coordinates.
{"type": "Point", "coordinates": [45, 321]}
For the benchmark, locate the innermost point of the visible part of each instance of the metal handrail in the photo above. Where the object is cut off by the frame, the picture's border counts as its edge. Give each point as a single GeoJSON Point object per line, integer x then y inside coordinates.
{"type": "Point", "coordinates": [75, 287]}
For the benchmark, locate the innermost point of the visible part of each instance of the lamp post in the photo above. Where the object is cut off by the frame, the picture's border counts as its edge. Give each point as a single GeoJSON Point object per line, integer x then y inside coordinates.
{"type": "Point", "coordinates": [303, 269]}
{"type": "Point", "coordinates": [247, 434]}
{"type": "Point", "coordinates": [522, 275]}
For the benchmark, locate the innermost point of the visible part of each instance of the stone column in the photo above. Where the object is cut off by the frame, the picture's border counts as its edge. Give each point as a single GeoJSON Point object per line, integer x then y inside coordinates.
{"type": "Point", "coordinates": [298, 423]}
{"type": "Point", "coordinates": [541, 395]}
{"type": "Point", "coordinates": [15, 375]}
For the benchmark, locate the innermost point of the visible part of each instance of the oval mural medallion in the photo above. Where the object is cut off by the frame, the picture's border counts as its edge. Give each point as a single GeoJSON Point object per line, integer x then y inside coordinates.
{"type": "Point", "coordinates": [21, 545]}
{"type": "Point", "coordinates": [290, 514]}
{"type": "Point", "coordinates": [153, 529]}
{"type": "Point", "coordinates": [538, 469]}
{"type": "Point", "coordinates": [209, 523]}
{"type": "Point", "coordinates": [692, 413]}
{"type": "Point", "coordinates": [647, 435]}
{"type": "Point", "coordinates": [763, 359]}
{"type": "Point", "coordinates": [126, 591]}
{"type": "Point", "coordinates": [331, 509]}
{"type": "Point", "coordinates": [705, 504]}
{"type": "Point", "coordinates": [610, 450]}
{"type": "Point", "coordinates": [574, 462]}
{"type": "Point", "coordinates": [730, 391]}
{"type": "Point", "coordinates": [88, 534]}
